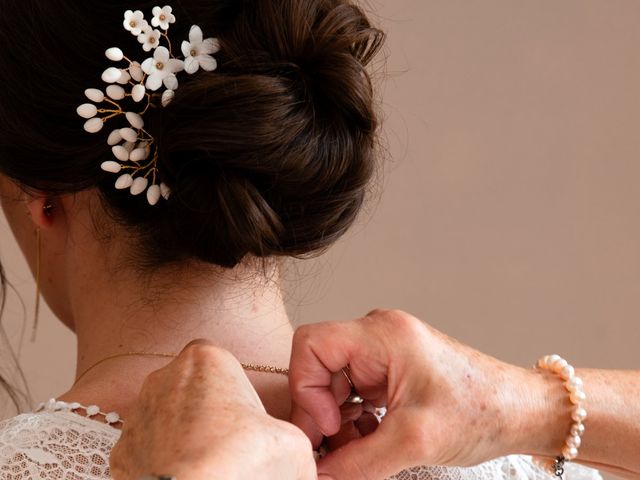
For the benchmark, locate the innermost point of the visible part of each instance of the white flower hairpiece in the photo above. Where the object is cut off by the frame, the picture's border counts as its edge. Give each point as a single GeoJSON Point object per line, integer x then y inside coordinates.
{"type": "Point", "coordinates": [132, 146]}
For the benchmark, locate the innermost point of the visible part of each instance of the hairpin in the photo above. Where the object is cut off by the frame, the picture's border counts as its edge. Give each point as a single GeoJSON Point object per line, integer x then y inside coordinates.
{"type": "Point", "coordinates": [134, 148]}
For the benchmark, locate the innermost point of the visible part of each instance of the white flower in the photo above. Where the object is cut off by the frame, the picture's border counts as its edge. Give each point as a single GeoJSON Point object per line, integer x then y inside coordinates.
{"type": "Point", "coordinates": [149, 38]}
{"type": "Point", "coordinates": [197, 52]}
{"type": "Point", "coordinates": [162, 69]}
{"type": "Point", "coordinates": [134, 22]}
{"type": "Point", "coordinates": [162, 17]}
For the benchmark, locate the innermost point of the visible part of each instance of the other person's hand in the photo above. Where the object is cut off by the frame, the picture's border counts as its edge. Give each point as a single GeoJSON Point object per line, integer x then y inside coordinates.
{"type": "Point", "coordinates": [200, 418]}
{"type": "Point", "coordinates": [447, 404]}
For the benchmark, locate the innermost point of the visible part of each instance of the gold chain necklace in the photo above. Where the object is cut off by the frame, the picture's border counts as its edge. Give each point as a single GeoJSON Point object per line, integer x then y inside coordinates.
{"type": "Point", "coordinates": [246, 366]}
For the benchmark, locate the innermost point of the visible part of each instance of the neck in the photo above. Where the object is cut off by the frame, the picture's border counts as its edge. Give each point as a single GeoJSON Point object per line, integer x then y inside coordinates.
{"type": "Point", "coordinates": [240, 310]}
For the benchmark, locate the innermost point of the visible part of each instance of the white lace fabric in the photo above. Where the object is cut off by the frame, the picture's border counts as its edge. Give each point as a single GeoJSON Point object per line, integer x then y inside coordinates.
{"type": "Point", "coordinates": [57, 444]}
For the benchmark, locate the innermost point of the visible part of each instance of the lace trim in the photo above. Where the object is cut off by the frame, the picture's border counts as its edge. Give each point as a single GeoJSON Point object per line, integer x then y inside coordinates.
{"type": "Point", "coordinates": [69, 442]}
{"type": "Point", "coordinates": [53, 405]}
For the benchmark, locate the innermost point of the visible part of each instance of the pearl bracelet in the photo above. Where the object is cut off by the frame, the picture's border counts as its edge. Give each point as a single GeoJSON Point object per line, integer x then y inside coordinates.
{"type": "Point", "coordinates": [573, 384]}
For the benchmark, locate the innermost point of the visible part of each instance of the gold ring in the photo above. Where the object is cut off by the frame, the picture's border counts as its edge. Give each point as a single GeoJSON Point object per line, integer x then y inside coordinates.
{"type": "Point", "coordinates": [346, 374]}
{"type": "Point", "coordinates": [355, 397]}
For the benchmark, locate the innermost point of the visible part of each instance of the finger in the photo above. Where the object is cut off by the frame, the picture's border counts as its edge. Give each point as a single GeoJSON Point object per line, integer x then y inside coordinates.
{"type": "Point", "coordinates": [309, 470]}
{"type": "Point", "coordinates": [348, 433]}
{"type": "Point", "coordinates": [379, 455]}
{"type": "Point", "coordinates": [340, 387]}
{"type": "Point", "coordinates": [304, 422]}
{"type": "Point", "coordinates": [351, 412]}
{"type": "Point", "coordinates": [318, 351]}
{"type": "Point", "coordinates": [367, 424]}
{"type": "Point", "coordinates": [212, 369]}
{"type": "Point", "coordinates": [198, 341]}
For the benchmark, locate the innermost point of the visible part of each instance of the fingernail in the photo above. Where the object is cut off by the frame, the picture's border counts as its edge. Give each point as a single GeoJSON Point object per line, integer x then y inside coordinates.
{"type": "Point", "coordinates": [322, 476]}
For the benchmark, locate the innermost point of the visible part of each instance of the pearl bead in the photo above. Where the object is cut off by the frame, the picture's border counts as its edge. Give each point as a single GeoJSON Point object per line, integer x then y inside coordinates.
{"type": "Point", "coordinates": [574, 383]}
{"type": "Point", "coordinates": [577, 397]}
{"type": "Point", "coordinates": [579, 414]}
{"type": "Point", "coordinates": [574, 441]}
{"type": "Point", "coordinates": [569, 452]}
{"type": "Point", "coordinates": [567, 372]}
{"type": "Point", "coordinates": [577, 429]}
{"type": "Point", "coordinates": [551, 359]}
{"type": "Point", "coordinates": [559, 365]}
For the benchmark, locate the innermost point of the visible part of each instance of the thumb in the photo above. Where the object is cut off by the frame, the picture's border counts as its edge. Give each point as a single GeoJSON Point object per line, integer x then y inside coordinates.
{"type": "Point", "coordinates": [378, 455]}
{"type": "Point", "coordinates": [304, 422]}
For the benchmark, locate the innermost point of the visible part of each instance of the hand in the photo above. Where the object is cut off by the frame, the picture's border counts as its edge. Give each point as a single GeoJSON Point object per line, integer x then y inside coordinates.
{"type": "Point", "coordinates": [447, 404]}
{"type": "Point", "coordinates": [200, 418]}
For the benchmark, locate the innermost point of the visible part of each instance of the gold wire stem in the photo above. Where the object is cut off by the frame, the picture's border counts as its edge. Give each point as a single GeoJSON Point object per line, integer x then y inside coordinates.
{"type": "Point", "coordinates": [147, 107]}
{"type": "Point", "coordinates": [106, 110]}
{"type": "Point", "coordinates": [107, 99]}
{"type": "Point", "coordinates": [166, 36]}
{"type": "Point", "coordinates": [150, 139]}
{"type": "Point", "coordinates": [113, 115]}
{"type": "Point", "coordinates": [150, 163]}
{"type": "Point", "coordinates": [151, 171]}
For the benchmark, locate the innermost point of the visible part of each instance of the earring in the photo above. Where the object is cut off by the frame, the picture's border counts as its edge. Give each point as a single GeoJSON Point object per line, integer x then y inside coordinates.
{"type": "Point", "coordinates": [47, 209]}
{"type": "Point", "coordinates": [36, 315]}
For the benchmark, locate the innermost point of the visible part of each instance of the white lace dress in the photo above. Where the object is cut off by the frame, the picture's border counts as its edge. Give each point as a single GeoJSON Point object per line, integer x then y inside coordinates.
{"type": "Point", "coordinates": [56, 443]}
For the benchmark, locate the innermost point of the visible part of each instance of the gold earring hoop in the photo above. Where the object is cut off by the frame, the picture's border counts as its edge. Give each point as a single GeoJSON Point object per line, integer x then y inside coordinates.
{"type": "Point", "coordinates": [36, 314]}
{"type": "Point", "coordinates": [47, 209]}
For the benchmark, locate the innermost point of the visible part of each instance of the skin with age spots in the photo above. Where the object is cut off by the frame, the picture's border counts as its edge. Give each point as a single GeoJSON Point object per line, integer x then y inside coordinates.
{"type": "Point", "coordinates": [449, 404]}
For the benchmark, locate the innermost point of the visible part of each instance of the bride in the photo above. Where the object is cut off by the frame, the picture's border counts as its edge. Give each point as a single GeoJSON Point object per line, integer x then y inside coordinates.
{"type": "Point", "coordinates": [239, 133]}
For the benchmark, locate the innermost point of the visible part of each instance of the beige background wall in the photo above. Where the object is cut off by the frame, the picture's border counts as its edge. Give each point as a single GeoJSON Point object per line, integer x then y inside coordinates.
{"type": "Point", "coordinates": [510, 216]}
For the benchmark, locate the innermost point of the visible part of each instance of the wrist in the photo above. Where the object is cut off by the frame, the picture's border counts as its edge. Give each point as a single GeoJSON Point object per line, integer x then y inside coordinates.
{"type": "Point", "coordinates": [540, 414]}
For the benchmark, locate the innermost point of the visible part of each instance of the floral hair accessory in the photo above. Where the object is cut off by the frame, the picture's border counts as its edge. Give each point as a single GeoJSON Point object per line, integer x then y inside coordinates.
{"type": "Point", "coordinates": [134, 149]}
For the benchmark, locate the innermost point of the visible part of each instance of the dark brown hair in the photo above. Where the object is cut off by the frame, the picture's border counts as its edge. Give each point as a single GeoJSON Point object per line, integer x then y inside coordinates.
{"type": "Point", "coordinates": [270, 155]}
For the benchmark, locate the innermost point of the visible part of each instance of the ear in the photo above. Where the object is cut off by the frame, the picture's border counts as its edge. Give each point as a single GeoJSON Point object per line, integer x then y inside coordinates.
{"type": "Point", "coordinates": [42, 210]}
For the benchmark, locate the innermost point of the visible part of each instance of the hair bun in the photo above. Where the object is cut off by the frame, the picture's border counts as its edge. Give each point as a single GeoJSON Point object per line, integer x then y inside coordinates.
{"type": "Point", "coordinates": [327, 44]}
{"type": "Point", "coordinates": [272, 153]}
